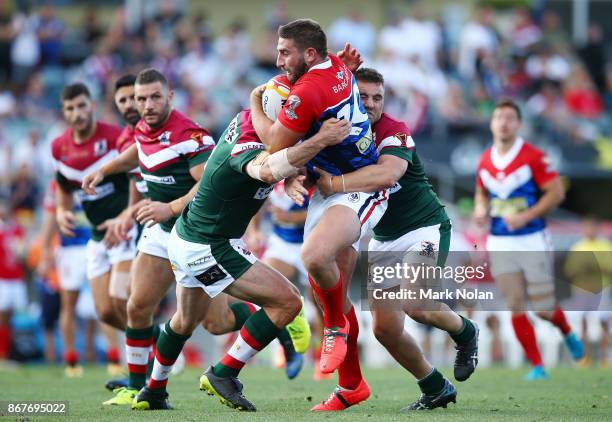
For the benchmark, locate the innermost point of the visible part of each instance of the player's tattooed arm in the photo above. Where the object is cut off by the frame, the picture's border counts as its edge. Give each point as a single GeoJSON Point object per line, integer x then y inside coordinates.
{"type": "Point", "coordinates": [287, 162]}
{"type": "Point", "coordinates": [382, 175]}
{"type": "Point", "coordinates": [125, 162]}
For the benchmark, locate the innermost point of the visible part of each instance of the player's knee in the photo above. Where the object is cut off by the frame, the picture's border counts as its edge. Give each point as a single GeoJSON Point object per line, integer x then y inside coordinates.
{"type": "Point", "coordinates": [417, 315]}
{"type": "Point", "coordinates": [184, 325]}
{"type": "Point", "coordinates": [106, 313]}
{"type": "Point", "coordinates": [138, 312]}
{"type": "Point", "coordinates": [386, 333]}
{"type": "Point", "coordinates": [214, 326]}
{"type": "Point", "coordinates": [316, 259]}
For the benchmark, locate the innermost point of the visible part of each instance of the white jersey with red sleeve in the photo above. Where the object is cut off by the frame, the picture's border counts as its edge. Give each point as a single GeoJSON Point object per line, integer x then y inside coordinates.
{"type": "Point", "coordinates": [513, 183]}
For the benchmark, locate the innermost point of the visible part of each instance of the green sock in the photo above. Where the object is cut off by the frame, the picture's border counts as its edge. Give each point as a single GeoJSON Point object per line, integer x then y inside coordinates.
{"type": "Point", "coordinates": [432, 383]}
{"type": "Point", "coordinates": [138, 342]}
{"type": "Point", "coordinates": [169, 346]}
{"type": "Point", "coordinates": [242, 312]}
{"type": "Point", "coordinates": [156, 331]}
{"type": "Point", "coordinates": [466, 334]}
{"type": "Point", "coordinates": [258, 331]}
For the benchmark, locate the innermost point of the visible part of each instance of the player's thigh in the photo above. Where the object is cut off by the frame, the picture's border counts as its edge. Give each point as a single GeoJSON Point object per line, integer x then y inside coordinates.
{"type": "Point", "coordinates": [281, 266]}
{"type": "Point", "coordinates": [337, 229]}
{"type": "Point", "coordinates": [512, 288]}
{"type": "Point", "coordinates": [100, 289]}
{"type": "Point", "coordinates": [151, 278]}
{"type": "Point", "coordinates": [264, 286]}
{"type": "Point", "coordinates": [191, 306]}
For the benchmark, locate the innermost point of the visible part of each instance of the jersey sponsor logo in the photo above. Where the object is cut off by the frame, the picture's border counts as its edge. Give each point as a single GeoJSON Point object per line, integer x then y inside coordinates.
{"type": "Point", "coordinates": [364, 143]}
{"type": "Point", "coordinates": [196, 136]}
{"type": "Point", "coordinates": [262, 193]}
{"type": "Point", "coordinates": [102, 191]}
{"type": "Point", "coordinates": [353, 197]}
{"type": "Point", "coordinates": [100, 148]}
{"type": "Point", "coordinates": [293, 102]}
{"type": "Point", "coordinates": [232, 131]}
{"type": "Point", "coordinates": [427, 249]}
{"type": "Point", "coordinates": [396, 186]}
{"type": "Point", "coordinates": [199, 261]}
{"type": "Point", "coordinates": [163, 180]}
{"type": "Point", "coordinates": [247, 146]}
{"type": "Point", "coordinates": [164, 138]}
{"type": "Point", "coordinates": [211, 275]}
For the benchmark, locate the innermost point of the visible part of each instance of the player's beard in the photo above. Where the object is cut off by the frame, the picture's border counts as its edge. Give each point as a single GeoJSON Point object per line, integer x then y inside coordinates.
{"type": "Point", "coordinates": [161, 117]}
{"type": "Point", "coordinates": [131, 116]}
{"type": "Point", "coordinates": [82, 134]}
{"type": "Point", "coordinates": [300, 70]}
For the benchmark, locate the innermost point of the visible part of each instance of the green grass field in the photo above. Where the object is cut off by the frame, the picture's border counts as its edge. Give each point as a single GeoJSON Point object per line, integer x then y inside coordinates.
{"type": "Point", "coordinates": [491, 394]}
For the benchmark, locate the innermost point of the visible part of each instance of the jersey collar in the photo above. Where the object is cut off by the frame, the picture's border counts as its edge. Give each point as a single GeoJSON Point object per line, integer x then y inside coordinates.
{"type": "Point", "coordinates": [502, 161]}
{"type": "Point", "coordinates": [324, 65]}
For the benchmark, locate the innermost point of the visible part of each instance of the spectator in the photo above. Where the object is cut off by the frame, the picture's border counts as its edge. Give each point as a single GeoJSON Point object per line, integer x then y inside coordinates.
{"type": "Point", "coordinates": [547, 65]}
{"type": "Point", "coordinates": [525, 33]}
{"type": "Point", "coordinates": [593, 55]}
{"type": "Point", "coordinates": [355, 30]}
{"type": "Point", "coordinates": [581, 97]}
{"type": "Point", "coordinates": [26, 49]}
{"type": "Point", "coordinates": [477, 37]}
{"type": "Point", "coordinates": [7, 32]}
{"type": "Point", "coordinates": [50, 30]}
{"type": "Point", "coordinates": [13, 294]}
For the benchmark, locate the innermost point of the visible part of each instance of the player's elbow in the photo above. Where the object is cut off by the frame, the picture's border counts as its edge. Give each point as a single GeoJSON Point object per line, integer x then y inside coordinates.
{"type": "Point", "coordinates": [558, 193]}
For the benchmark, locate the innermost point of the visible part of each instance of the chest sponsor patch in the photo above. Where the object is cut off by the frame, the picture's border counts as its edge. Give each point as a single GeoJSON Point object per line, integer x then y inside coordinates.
{"type": "Point", "coordinates": [101, 192]}
{"type": "Point", "coordinates": [263, 193]}
{"type": "Point", "coordinates": [162, 180]}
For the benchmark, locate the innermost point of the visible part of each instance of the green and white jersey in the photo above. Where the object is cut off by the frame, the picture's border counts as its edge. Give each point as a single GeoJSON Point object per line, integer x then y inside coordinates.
{"type": "Point", "coordinates": [412, 202]}
{"type": "Point", "coordinates": [227, 198]}
{"type": "Point", "coordinates": [166, 154]}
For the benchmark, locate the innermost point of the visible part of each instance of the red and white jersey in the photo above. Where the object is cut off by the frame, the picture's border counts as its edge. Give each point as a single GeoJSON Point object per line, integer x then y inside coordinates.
{"type": "Point", "coordinates": [12, 237]}
{"type": "Point", "coordinates": [74, 161]}
{"type": "Point", "coordinates": [126, 140]}
{"type": "Point", "coordinates": [513, 182]}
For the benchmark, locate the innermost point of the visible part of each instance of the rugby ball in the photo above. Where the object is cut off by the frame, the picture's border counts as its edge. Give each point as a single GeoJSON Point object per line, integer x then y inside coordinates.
{"type": "Point", "coordinates": [275, 95]}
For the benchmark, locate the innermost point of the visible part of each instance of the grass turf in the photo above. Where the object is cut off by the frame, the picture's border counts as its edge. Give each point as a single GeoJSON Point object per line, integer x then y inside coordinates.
{"type": "Point", "coordinates": [491, 394]}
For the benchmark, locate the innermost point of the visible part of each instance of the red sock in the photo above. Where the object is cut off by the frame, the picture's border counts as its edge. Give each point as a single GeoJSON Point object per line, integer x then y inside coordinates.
{"type": "Point", "coordinates": [349, 371]}
{"type": "Point", "coordinates": [5, 341]}
{"type": "Point", "coordinates": [558, 319]}
{"type": "Point", "coordinates": [112, 355]}
{"type": "Point", "coordinates": [526, 336]}
{"type": "Point", "coordinates": [71, 357]}
{"type": "Point", "coordinates": [332, 301]}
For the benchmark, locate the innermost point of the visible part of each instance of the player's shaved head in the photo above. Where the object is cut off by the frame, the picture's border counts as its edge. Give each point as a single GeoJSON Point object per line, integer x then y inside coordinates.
{"type": "Point", "coordinates": [150, 76]}
{"type": "Point", "coordinates": [305, 33]}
